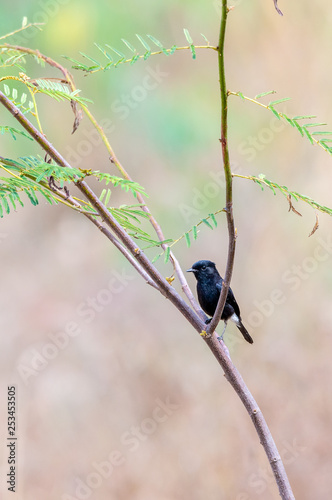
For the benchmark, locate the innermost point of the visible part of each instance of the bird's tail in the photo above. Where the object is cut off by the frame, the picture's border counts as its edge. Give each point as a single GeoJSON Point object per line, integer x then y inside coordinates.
{"type": "Point", "coordinates": [242, 329]}
{"type": "Point", "coordinates": [245, 333]}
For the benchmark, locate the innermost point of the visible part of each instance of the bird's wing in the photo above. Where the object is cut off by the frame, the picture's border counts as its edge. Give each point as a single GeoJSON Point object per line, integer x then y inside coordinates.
{"type": "Point", "coordinates": [230, 299]}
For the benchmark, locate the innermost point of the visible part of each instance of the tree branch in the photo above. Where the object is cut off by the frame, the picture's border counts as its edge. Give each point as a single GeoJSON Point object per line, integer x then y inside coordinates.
{"type": "Point", "coordinates": [70, 81]}
{"type": "Point", "coordinates": [228, 173]}
{"type": "Point", "coordinates": [124, 243]}
{"type": "Point", "coordinates": [163, 286]}
{"type": "Point", "coordinates": [232, 375]}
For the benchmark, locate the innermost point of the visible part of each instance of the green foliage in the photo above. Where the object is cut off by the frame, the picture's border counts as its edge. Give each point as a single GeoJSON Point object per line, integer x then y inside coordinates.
{"type": "Point", "coordinates": [130, 217]}
{"type": "Point", "coordinates": [19, 99]}
{"type": "Point", "coordinates": [37, 169]}
{"type": "Point", "coordinates": [294, 122]}
{"type": "Point", "coordinates": [59, 92]}
{"type": "Point", "coordinates": [31, 175]}
{"type": "Point", "coordinates": [274, 187]}
{"type": "Point", "coordinates": [14, 131]}
{"type": "Point", "coordinates": [12, 188]}
{"type": "Point", "coordinates": [53, 89]}
{"type": "Point", "coordinates": [194, 231]}
{"type": "Point", "coordinates": [125, 184]}
{"type": "Point", "coordinates": [25, 26]}
{"type": "Point", "coordinates": [9, 58]}
{"type": "Point", "coordinates": [114, 57]}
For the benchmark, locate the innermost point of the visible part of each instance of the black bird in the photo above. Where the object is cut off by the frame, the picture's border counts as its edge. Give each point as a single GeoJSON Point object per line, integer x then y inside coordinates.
{"type": "Point", "coordinates": [209, 284]}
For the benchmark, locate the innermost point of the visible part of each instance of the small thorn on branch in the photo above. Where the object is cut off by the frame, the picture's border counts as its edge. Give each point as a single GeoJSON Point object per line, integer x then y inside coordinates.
{"type": "Point", "coordinates": [316, 226]}
{"type": "Point", "coordinates": [291, 206]}
{"type": "Point", "coordinates": [54, 187]}
{"type": "Point", "coordinates": [277, 8]}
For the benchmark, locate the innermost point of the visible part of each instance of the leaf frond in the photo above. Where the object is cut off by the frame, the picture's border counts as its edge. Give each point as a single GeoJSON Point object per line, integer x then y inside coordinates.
{"type": "Point", "coordinates": [263, 182]}
{"type": "Point", "coordinates": [135, 53]}
{"type": "Point", "coordinates": [302, 129]}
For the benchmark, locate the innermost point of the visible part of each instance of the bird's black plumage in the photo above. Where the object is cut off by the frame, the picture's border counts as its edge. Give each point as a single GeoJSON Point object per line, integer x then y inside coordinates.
{"type": "Point", "coordinates": [209, 284]}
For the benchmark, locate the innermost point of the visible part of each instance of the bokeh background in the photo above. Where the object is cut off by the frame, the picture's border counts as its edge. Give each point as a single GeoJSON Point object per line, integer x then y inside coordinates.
{"type": "Point", "coordinates": [123, 399]}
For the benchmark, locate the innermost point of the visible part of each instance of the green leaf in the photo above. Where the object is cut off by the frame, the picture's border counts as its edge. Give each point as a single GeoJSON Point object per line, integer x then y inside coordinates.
{"type": "Point", "coordinates": [299, 128]}
{"type": "Point", "coordinates": [14, 131]}
{"type": "Point", "coordinates": [195, 232]}
{"type": "Point", "coordinates": [47, 196]}
{"type": "Point", "coordinates": [134, 59]}
{"type": "Point", "coordinates": [188, 37]}
{"type": "Point", "coordinates": [213, 219]}
{"type": "Point", "coordinates": [155, 258]}
{"type": "Point", "coordinates": [167, 254]}
{"type": "Point", "coordinates": [146, 55]}
{"type": "Point", "coordinates": [107, 198]}
{"type": "Point", "coordinates": [155, 41]}
{"type": "Point", "coordinates": [273, 103]}
{"type": "Point", "coordinates": [275, 112]}
{"type": "Point", "coordinates": [302, 117]}
{"type": "Point", "coordinates": [307, 134]}
{"type": "Point", "coordinates": [32, 197]}
{"type": "Point", "coordinates": [90, 58]}
{"type": "Point", "coordinates": [207, 223]}
{"type": "Point", "coordinates": [144, 43]}
{"type": "Point", "coordinates": [5, 204]}
{"type": "Point", "coordinates": [207, 41]}
{"type": "Point", "coordinates": [120, 54]}
{"type": "Point", "coordinates": [104, 52]}
{"type": "Point", "coordinates": [187, 237]}
{"type": "Point", "coordinates": [289, 120]}
{"type": "Point", "coordinates": [258, 96]}
{"type": "Point", "coordinates": [102, 194]}
{"type": "Point", "coordinates": [314, 124]}
{"type": "Point", "coordinates": [193, 51]}
{"type": "Point", "coordinates": [129, 45]}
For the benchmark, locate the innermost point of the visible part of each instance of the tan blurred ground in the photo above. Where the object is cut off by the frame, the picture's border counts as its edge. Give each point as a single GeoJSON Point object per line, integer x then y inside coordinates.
{"type": "Point", "coordinates": [131, 403]}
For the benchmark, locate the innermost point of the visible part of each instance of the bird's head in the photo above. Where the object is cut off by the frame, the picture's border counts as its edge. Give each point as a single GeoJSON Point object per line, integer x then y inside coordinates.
{"type": "Point", "coordinates": [203, 269]}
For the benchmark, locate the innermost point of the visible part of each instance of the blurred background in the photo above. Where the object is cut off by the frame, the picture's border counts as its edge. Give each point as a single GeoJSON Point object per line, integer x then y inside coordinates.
{"type": "Point", "coordinates": [117, 396]}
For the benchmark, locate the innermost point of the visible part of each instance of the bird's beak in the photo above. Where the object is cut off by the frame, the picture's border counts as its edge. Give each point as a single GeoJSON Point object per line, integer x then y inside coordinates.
{"type": "Point", "coordinates": [191, 270]}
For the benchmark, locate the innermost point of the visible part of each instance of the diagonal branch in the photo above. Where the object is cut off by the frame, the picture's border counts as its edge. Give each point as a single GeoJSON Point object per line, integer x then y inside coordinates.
{"type": "Point", "coordinates": [70, 81]}
{"type": "Point", "coordinates": [163, 286]}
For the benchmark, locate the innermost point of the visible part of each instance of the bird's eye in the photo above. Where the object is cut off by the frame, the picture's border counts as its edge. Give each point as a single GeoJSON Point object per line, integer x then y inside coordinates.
{"type": "Point", "coordinates": [203, 267]}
